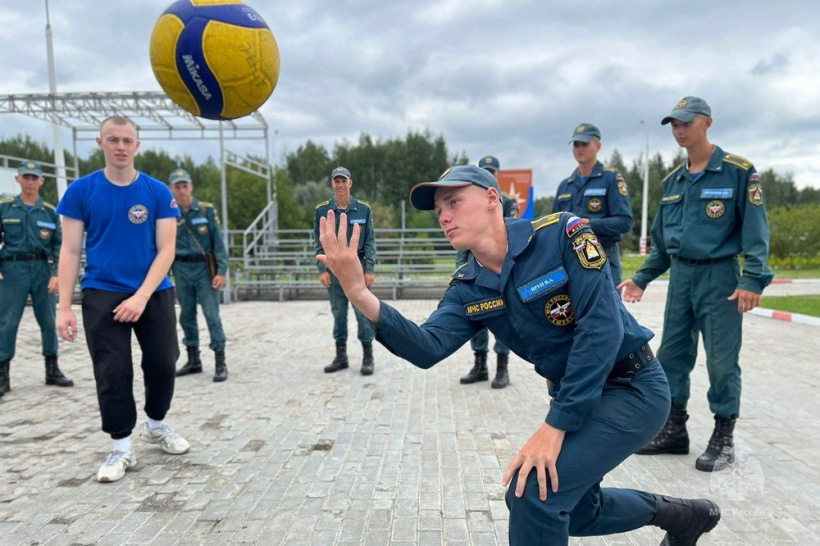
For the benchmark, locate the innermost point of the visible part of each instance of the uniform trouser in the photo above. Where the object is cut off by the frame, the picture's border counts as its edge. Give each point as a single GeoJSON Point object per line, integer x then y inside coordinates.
{"type": "Point", "coordinates": [338, 306]}
{"type": "Point", "coordinates": [192, 286]}
{"type": "Point", "coordinates": [631, 413]}
{"type": "Point", "coordinates": [19, 280]}
{"type": "Point", "coordinates": [481, 343]}
{"type": "Point", "coordinates": [613, 254]}
{"type": "Point", "coordinates": [109, 343]}
{"type": "Point", "coordinates": [697, 302]}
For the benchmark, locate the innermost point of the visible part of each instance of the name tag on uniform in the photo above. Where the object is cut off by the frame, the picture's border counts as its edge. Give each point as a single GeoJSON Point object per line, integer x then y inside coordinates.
{"type": "Point", "coordinates": [481, 307]}
{"type": "Point", "coordinates": [357, 221]}
{"type": "Point", "coordinates": [47, 225]}
{"type": "Point", "coordinates": [595, 192]}
{"type": "Point", "coordinates": [716, 193]}
{"type": "Point", "coordinates": [197, 221]}
{"type": "Point", "coordinates": [536, 287]}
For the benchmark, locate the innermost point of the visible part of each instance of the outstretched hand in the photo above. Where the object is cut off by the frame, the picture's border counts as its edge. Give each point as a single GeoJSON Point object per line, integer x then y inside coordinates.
{"type": "Point", "coordinates": [633, 292]}
{"type": "Point", "coordinates": [341, 256]}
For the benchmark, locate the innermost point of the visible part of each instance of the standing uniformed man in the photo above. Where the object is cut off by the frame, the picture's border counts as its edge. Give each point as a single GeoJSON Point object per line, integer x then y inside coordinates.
{"type": "Point", "coordinates": [197, 233]}
{"type": "Point", "coordinates": [30, 236]}
{"type": "Point", "coordinates": [480, 343]}
{"type": "Point", "coordinates": [711, 212]}
{"type": "Point", "coordinates": [544, 288]}
{"type": "Point", "coordinates": [358, 213]}
{"type": "Point", "coordinates": [598, 193]}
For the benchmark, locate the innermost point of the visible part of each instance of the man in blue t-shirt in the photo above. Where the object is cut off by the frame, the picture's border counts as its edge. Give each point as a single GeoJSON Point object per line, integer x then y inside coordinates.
{"type": "Point", "coordinates": [130, 223]}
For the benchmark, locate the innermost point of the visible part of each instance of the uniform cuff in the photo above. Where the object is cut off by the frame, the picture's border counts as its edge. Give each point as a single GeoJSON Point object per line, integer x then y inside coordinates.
{"type": "Point", "coordinates": [564, 420]}
{"type": "Point", "coordinates": [750, 284]}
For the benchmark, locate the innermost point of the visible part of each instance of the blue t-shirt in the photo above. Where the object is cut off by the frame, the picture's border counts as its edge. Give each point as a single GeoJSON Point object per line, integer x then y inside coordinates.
{"type": "Point", "coordinates": [120, 224]}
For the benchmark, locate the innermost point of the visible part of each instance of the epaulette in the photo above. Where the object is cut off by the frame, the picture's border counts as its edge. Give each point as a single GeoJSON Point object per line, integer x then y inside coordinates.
{"type": "Point", "coordinates": [676, 169]}
{"type": "Point", "coordinates": [738, 161]}
{"type": "Point", "coordinates": [509, 196]}
{"type": "Point", "coordinates": [611, 169]}
{"type": "Point", "coordinates": [545, 221]}
{"type": "Point", "coordinates": [49, 206]}
{"type": "Point", "coordinates": [6, 200]}
{"type": "Point", "coordinates": [322, 204]}
{"type": "Point", "coordinates": [206, 204]}
{"type": "Point", "coordinates": [365, 203]}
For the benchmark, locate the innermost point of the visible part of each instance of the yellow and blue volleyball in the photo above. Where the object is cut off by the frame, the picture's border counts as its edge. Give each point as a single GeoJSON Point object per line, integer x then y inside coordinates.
{"type": "Point", "coordinates": [217, 59]}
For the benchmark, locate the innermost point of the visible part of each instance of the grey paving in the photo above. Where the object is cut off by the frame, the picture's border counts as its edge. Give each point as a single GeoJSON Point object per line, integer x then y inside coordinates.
{"type": "Point", "coordinates": [285, 454]}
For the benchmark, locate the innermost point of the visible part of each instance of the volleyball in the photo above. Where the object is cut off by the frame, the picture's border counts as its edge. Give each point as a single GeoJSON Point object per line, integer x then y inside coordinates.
{"type": "Point", "coordinates": [217, 59]}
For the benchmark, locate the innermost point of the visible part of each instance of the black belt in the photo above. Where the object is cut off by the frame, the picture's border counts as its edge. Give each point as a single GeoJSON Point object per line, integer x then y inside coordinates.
{"type": "Point", "coordinates": [192, 258]}
{"type": "Point", "coordinates": [632, 364]}
{"type": "Point", "coordinates": [31, 257]}
{"type": "Point", "coordinates": [687, 261]}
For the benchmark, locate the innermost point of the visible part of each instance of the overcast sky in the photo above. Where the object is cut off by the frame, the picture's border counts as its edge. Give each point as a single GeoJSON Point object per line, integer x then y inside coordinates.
{"type": "Point", "coordinates": [510, 78]}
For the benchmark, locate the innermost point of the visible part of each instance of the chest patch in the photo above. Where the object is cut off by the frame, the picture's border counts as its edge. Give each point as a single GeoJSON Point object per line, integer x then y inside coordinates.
{"type": "Point", "coordinates": [202, 229]}
{"type": "Point", "coordinates": [594, 204]}
{"type": "Point", "coordinates": [589, 251]}
{"type": "Point", "coordinates": [11, 220]}
{"type": "Point", "coordinates": [600, 192]}
{"type": "Point", "coordinates": [716, 193]}
{"type": "Point", "coordinates": [482, 307]}
{"type": "Point", "coordinates": [138, 214]}
{"type": "Point", "coordinates": [559, 310]}
{"type": "Point", "coordinates": [358, 221]}
{"type": "Point", "coordinates": [538, 286]}
{"type": "Point", "coordinates": [564, 196]}
{"type": "Point", "coordinates": [197, 221]}
{"type": "Point", "coordinates": [715, 209]}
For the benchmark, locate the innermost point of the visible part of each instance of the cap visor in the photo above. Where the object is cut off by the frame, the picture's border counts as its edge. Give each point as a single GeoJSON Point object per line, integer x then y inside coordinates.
{"type": "Point", "coordinates": [582, 138]}
{"type": "Point", "coordinates": [680, 115]}
{"type": "Point", "coordinates": [422, 196]}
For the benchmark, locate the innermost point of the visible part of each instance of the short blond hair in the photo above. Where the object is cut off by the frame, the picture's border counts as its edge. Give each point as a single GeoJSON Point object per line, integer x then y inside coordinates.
{"type": "Point", "coordinates": [119, 120]}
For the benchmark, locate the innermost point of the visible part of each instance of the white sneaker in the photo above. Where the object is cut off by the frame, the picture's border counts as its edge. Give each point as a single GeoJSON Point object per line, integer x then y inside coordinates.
{"type": "Point", "coordinates": [168, 440]}
{"type": "Point", "coordinates": [115, 465]}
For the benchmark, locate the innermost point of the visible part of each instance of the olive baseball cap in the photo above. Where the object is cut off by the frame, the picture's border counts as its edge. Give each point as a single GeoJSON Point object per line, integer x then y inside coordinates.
{"type": "Point", "coordinates": [585, 133]}
{"type": "Point", "coordinates": [422, 196]}
{"type": "Point", "coordinates": [489, 163]}
{"type": "Point", "coordinates": [179, 175]}
{"type": "Point", "coordinates": [30, 167]}
{"type": "Point", "coordinates": [688, 109]}
{"type": "Point", "coordinates": [339, 171]}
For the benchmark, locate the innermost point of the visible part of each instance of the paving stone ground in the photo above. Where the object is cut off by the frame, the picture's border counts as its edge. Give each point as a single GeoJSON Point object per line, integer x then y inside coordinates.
{"type": "Point", "coordinates": [285, 454]}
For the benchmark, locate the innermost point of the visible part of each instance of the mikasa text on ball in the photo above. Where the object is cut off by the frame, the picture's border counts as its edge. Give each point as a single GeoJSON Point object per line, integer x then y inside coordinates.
{"type": "Point", "coordinates": [215, 58]}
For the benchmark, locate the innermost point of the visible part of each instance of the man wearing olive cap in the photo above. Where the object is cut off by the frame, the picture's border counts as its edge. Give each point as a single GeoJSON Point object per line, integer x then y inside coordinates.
{"type": "Point", "coordinates": [539, 287]}
{"type": "Point", "coordinates": [711, 212]}
{"type": "Point", "coordinates": [31, 236]}
{"type": "Point", "coordinates": [597, 193]}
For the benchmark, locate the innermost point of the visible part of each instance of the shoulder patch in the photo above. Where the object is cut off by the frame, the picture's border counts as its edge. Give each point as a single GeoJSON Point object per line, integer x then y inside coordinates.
{"type": "Point", "coordinates": [673, 171]}
{"type": "Point", "coordinates": [738, 161]}
{"type": "Point", "coordinates": [545, 221]}
{"type": "Point", "coordinates": [49, 206]}
{"type": "Point", "coordinates": [322, 204]}
{"type": "Point", "coordinates": [589, 251]}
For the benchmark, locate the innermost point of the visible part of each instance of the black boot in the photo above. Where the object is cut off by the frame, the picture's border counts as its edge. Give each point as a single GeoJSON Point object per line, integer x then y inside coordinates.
{"type": "Point", "coordinates": [221, 368]}
{"type": "Point", "coordinates": [479, 371]}
{"type": "Point", "coordinates": [684, 520]}
{"type": "Point", "coordinates": [672, 438]}
{"type": "Point", "coordinates": [367, 358]}
{"type": "Point", "coordinates": [194, 364]}
{"type": "Point", "coordinates": [340, 362]}
{"type": "Point", "coordinates": [5, 385]}
{"type": "Point", "coordinates": [502, 376]}
{"type": "Point", "coordinates": [53, 374]}
{"type": "Point", "coordinates": [720, 452]}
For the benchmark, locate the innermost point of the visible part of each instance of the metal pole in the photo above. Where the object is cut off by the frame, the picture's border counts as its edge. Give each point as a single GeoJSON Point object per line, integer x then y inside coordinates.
{"type": "Point", "coordinates": [645, 197]}
{"type": "Point", "coordinates": [59, 157]}
{"type": "Point", "coordinates": [226, 294]}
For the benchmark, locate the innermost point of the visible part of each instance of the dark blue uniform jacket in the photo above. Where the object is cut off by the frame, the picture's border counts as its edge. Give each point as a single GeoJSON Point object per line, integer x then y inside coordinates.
{"type": "Point", "coordinates": [553, 304]}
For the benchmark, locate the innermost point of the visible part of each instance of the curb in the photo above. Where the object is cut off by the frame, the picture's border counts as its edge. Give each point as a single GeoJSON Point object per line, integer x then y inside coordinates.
{"type": "Point", "coordinates": [784, 316]}
{"type": "Point", "coordinates": [793, 281]}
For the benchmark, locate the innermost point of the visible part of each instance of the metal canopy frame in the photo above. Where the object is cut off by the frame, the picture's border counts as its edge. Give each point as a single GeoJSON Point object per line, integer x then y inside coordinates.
{"type": "Point", "coordinates": [157, 117]}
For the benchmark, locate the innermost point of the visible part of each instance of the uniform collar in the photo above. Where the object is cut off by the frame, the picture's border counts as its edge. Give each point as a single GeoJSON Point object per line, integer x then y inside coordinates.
{"type": "Point", "coordinates": [352, 206]}
{"type": "Point", "coordinates": [18, 202]}
{"type": "Point", "coordinates": [715, 164]}
{"type": "Point", "coordinates": [195, 204]}
{"type": "Point", "coordinates": [519, 234]}
{"type": "Point", "coordinates": [597, 171]}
